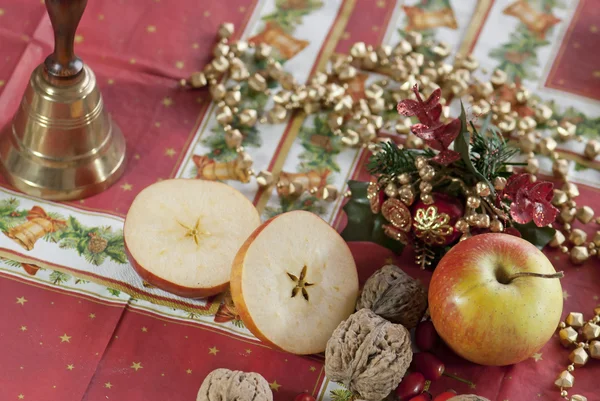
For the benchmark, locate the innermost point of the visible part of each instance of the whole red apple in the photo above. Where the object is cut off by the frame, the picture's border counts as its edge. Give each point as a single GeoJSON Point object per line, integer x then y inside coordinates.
{"type": "Point", "coordinates": [490, 302]}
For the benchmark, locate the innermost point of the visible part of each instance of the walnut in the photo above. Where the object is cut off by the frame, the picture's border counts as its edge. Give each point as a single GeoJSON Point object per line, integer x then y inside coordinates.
{"type": "Point", "coordinates": [233, 385]}
{"type": "Point", "coordinates": [395, 296]}
{"type": "Point", "coordinates": [468, 397]}
{"type": "Point", "coordinates": [368, 355]}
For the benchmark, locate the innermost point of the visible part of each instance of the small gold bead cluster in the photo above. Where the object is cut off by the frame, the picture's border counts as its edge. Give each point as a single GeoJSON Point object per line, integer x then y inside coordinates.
{"type": "Point", "coordinates": [574, 241]}
{"type": "Point", "coordinates": [584, 337]}
{"type": "Point", "coordinates": [359, 118]}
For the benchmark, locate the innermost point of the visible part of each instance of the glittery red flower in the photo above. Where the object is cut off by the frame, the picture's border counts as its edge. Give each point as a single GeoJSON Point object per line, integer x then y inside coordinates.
{"type": "Point", "coordinates": [437, 135]}
{"type": "Point", "coordinates": [530, 200]}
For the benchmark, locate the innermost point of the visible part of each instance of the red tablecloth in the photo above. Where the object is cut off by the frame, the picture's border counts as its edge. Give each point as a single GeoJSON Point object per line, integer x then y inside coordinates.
{"type": "Point", "coordinates": [74, 328]}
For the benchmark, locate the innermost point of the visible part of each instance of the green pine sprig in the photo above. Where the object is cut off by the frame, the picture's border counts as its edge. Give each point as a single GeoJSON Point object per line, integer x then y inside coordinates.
{"type": "Point", "coordinates": [391, 160]}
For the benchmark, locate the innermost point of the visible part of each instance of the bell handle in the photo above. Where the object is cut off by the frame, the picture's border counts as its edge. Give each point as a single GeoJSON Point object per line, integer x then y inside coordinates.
{"type": "Point", "coordinates": [64, 16]}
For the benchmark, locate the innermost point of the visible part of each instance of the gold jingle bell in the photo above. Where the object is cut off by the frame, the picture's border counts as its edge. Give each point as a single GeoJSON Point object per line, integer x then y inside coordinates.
{"type": "Point", "coordinates": [62, 144]}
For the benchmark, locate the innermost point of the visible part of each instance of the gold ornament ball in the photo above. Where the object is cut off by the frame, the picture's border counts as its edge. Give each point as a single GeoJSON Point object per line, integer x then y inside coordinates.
{"type": "Point", "coordinates": [420, 162]}
{"type": "Point", "coordinates": [473, 202]}
{"type": "Point", "coordinates": [404, 179]}
{"type": "Point", "coordinates": [496, 226]}
{"type": "Point", "coordinates": [427, 173]}
{"type": "Point", "coordinates": [482, 189]}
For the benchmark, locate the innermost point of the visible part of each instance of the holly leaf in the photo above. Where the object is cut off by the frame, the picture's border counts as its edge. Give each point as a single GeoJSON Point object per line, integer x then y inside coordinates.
{"type": "Point", "coordinates": [462, 146]}
{"type": "Point", "coordinates": [538, 236]}
{"type": "Point", "coordinates": [363, 225]}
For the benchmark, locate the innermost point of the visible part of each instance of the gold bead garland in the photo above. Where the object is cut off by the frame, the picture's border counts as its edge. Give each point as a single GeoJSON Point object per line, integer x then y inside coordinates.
{"type": "Point", "coordinates": [360, 123]}
{"type": "Point", "coordinates": [584, 338]}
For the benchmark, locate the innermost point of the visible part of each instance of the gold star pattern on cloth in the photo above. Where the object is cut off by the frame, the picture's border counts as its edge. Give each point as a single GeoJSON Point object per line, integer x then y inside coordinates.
{"type": "Point", "coordinates": [566, 295]}
{"type": "Point", "coordinates": [537, 356]}
{"type": "Point", "coordinates": [21, 396]}
{"type": "Point", "coordinates": [312, 368]}
{"type": "Point", "coordinates": [170, 152]}
{"type": "Point", "coordinates": [23, 328]}
{"type": "Point", "coordinates": [167, 102]}
{"type": "Point", "coordinates": [189, 371]}
{"type": "Point", "coordinates": [213, 351]}
{"type": "Point", "coordinates": [126, 187]}
{"type": "Point", "coordinates": [136, 366]}
{"type": "Point", "coordinates": [108, 385]}
{"type": "Point", "coordinates": [70, 366]}
{"type": "Point", "coordinates": [144, 329]}
{"type": "Point", "coordinates": [275, 386]}
{"type": "Point", "coordinates": [21, 300]}
{"type": "Point", "coordinates": [65, 338]}
{"type": "Point", "coordinates": [92, 316]}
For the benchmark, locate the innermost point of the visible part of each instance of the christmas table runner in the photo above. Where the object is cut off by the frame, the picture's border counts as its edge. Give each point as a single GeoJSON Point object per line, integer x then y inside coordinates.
{"type": "Point", "coordinates": [81, 325]}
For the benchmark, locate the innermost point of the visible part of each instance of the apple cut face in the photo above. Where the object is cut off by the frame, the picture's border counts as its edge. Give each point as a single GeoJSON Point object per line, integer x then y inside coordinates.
{"type": "Point", "coordinates": [182, 235]}
{"type": "Point", "coordinates": [293, 281]}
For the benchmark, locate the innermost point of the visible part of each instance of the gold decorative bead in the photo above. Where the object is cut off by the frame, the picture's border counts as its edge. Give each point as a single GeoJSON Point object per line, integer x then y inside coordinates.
{"type": "Point", "coordinates": [575, 319]}
{"type": "Point", "coordinates": [596, 239]}
{"type": "Point", "coordinates": [462, 226]}
{"type": "Point", "coordinates": [358, 50]}
{"type": "Point", "coordinates": [374, 91]}
{"type": "Point", "coordinates": [427, 173]}
{"type": "Point", "coordinates": [498, 78]}
{"type": "Point", "coordinates": [579, 254]}
{"type": "Point", "coordinates": [405, 179]}
{"type": "Point", "coordinates": [350, 138]}
{"type": "Point", "coordinates": [496, 226]}
{"type": "Point", "coordinates": [571, 367]}
{"type": "Point", "coordinates": [427, 198]}
{"type": "Point", "coordinates": [347, 72]}
{"type": "Point", "coordinates": [248, 117]}
{"type": "Point", "coordinates": [420, 162]}
{"type": "Point", "coordinates": [560, 197]}
{"type": "Point", "coordinates": [391, 190]}
{"type": "Point", "coordinates": [591, 331]}
{"type": "Point", "coordinates": [277, 114]}
{"type": "Point", "coordinates": [564, 393]}
{"type": "Point", "coordinates": [585, 214]}
{"type": "Point", "coordinates": [566, 130]}
{"type": "Point", "coordinates": [533, 166]}
{"type": "Point", "coordinates": [567, 336]}
{"type": "Point", "coordinates": [226, 30]}
{"type": "Point", "coordinates": [220, 64]}
{"type": "Point", "coordinates": [425, 187]}
{"type": "Point", "coordinates": [499, 183]}
{"type": "Point", "coordinates": [565, 380]}
{"type": "Point", "coordinates": [560, 168]}
{"type": "Point", "coordinates": [482, 189]}
{"type": "Point", "coordinates": [597, 310]}
{"type": "Point", "coordinates": [577, 236]}
{"type": "Point", "coordinates": [594, 349]}
{"type": "Point", "coordinates": [473, 202]}
{"type": "Point", "coordinates": [562, 325]}
{"type": "Point", "coordinates": [217, 92]}
{"type": "Point", "coordinates": [406, 195]}
{"type": "Point", "coordinates": [328, 193]}
{"type": "Point", "coordinates": [238, 70]}
{"type": "Point", "coordinates": [224, 115]}
{"type": "Point", "coordinates": [239, 47]}
{"type": "Point", "coordinates": [567, 214]}
{"type": "Point", "coordinates": [233, 138]}
{"type": "Point", "coordinates": [547, 146]}
{"type": "Point", "coordinates": [198, 80]}
{"type": "Point", "coordinates": [564, 249]}
{"type": "Point", "coordinates": [262, 51]}
{"type": "Point", "coordinates": [578, 397]}
{"type": "Point", "coordinates": [233, 97]}
{"type": "Point", "coordinates": [592, 149]}
{"type": "Point", "coordinates": [264, 178]}
{"type": "Point", "coordinates": [557, 240]}
{"type": "Point", "coordinates": [571, 190]}
{"type": "Point", "coordinates": [257, 82]}
{"type": "Point", "coordinates": [543, 113]}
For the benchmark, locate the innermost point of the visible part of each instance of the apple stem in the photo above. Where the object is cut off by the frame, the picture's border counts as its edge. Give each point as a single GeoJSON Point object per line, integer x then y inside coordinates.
{"type": "Point", "coordinates": [531, 274]}
{"type": "Point", "coordinates": [460, 379]}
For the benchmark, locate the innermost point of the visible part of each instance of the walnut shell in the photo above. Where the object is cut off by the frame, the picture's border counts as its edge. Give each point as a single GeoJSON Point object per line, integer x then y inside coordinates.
{"type": "Point", "coordinates": [468, 397]}
{"type": "Point", "coordinates": [368, 355]}
{"type": "Point", "coordinates": [234, 385]}
{"type": "Point", "coordinates": [395, 296]}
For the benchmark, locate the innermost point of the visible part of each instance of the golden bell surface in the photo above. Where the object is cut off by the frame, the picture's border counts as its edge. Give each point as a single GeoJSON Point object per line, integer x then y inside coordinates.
{"type": "Point", "coordinates": [61, 143]}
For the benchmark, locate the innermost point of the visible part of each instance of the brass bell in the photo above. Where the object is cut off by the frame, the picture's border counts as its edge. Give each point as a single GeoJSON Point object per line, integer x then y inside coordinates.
{"type": "Point", "coordinates": [61, 143]}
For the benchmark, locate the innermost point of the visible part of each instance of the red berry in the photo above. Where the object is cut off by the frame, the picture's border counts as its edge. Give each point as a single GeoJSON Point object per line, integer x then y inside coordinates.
{"type": "Point", "coordinates": [422, 397]}
{"type": "Point", "coordinates": [304, 397]}
{"type": "Point", "coordinates": [412, 385]}
{"type": "Point", "coordinates": [425, 335]}
{"type": "Point", "coordinates": [445, 396]}
{"type": "Point", "coordinates": [426, 363]}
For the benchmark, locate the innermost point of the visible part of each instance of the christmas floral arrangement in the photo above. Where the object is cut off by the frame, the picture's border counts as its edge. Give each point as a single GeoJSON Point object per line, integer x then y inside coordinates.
{"type": "Point", "coordinates": [431, 199]}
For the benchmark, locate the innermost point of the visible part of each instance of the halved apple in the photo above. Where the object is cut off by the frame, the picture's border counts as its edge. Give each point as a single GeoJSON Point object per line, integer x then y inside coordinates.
{"type": "Point", "coordinates": [182, 235]}
{"type": "Point", "coordinates": [293, 281]}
